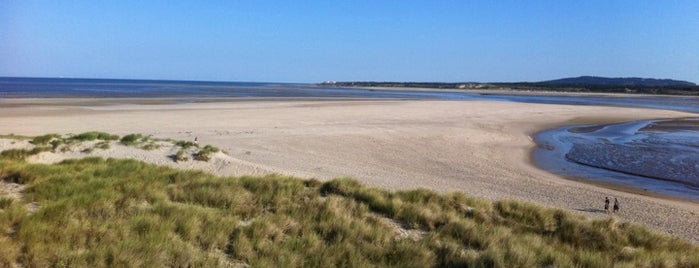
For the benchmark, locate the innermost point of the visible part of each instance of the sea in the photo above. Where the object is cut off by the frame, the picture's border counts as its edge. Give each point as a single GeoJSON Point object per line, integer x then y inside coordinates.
{"type": "Point", "coordinates": [14, 87]}
{"type": "Point", "coordinates": [661, 160]}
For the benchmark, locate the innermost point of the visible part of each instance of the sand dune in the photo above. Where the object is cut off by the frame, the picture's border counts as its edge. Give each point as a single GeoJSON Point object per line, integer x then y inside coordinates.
{"type": "Point", "coordinates": [478, 147]}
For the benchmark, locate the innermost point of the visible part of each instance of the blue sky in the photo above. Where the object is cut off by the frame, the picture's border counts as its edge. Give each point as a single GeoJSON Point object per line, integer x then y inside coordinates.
{"type": "Point", "coordinates": [312, 41]}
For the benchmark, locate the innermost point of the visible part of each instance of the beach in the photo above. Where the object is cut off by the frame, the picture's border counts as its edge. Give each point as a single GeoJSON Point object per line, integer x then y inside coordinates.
{"type": "Point", "coordinates": [481, 148]}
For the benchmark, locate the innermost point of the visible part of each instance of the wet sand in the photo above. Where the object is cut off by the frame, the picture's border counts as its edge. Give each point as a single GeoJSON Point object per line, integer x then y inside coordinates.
{"type": "Point", "coordinates": [479, 147]}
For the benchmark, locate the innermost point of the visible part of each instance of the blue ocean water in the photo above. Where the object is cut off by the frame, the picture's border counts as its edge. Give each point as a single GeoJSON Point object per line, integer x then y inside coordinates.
{"type": "Point", "coordinates": [119, 88]}
{"type": "Point", "coordinates": [11, 87]}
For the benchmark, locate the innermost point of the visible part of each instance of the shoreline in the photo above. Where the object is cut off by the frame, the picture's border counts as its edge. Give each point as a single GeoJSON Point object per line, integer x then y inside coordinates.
{"type": "Point", "coordinates": [481, 148]}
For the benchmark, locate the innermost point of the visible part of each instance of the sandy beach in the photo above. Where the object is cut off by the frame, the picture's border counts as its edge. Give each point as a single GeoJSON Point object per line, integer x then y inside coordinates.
{"type": "Point", "coordinates": [479, 147]}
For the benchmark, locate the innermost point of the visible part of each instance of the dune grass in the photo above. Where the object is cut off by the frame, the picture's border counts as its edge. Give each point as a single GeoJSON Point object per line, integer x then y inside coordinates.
{"type": "Point", "coordinates": [131, 139]}
{"type": "Point", "coordinates": [44, 139]}
{"type": "Point", "coordinates": [140, 141]}
{"type": "Point", "coordinates": [97, 213]}
{"type": "Point", "coordinates": [181, 156]}
{"type": "Point", "coordinates": [204, 154]}
{"type": "Point", "coordinates": [94, 135]}
{"type": "Point", "coordinates": [60, 143]}
{"type": "Point", "coordinates": [13, 136]}
{"type": "Point", "coordinates": [52, 142]}
{"type": "Point", "coordinates": [186, 144]}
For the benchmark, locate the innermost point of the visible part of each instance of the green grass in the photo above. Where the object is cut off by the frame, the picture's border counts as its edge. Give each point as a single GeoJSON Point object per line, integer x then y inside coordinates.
{"type": "Point", "coordinates": [45, 139]}
{"type": "Point", "coordinates": [104, 145]}
{"type": "Point", "coordinates": [60, 143]}
{"type": "Point", "coordinates": [94, 135]}
{"type": "Point", "coordinates": [131, 139]}
{"type": "Point", "coordinates": [98, 213]}
{"type": "Point", "coordinates": [181, 156]}
{"type": "Point", "coordinates": [186, 144]}
{"type": "Point", "coordinates": [5, 202]}
{"type": "Point", "coordinates": [55, 141]}
{"type": "Point", "coordinates": [139, 140]}
{"type": "Point", "coordinates": [21, 154]}
{"type": "Point", "coordinates": [204, 154]}
{"type": "Point", "coordinates": [15, 137]}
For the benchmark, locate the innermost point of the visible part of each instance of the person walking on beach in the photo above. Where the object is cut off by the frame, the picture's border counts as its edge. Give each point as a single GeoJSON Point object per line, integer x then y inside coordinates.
{"type": "Point", "coordinates": [606, 204]}
{"type": "Point", "coordinates": [616, 205]}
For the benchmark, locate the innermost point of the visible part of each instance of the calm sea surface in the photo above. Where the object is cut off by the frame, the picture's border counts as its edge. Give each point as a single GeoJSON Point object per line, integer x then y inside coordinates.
{"type": "Point", "coordinates": [663, 160]}
{"type": "Point", "coordinates": [115, 88]}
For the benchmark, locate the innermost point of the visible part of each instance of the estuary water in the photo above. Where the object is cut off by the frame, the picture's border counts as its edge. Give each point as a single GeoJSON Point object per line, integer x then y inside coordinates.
{"type": "Point", "coordinates": [11, 87]}
{"type": "Point", "coordinates": [658, 156]}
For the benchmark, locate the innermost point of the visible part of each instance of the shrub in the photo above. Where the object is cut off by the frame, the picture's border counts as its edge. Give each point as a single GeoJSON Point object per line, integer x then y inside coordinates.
{"type": "Point", "coordinates": [181, 156]}
{"type": "Point", "coordinates": [104, 145]}
{"type": "Point", "coordinates": [15, 137]}
{"type": "Point", "coordinates": [44, 139]}
{"type": "Point", "coordinates": [204, 154]}
{"type": "Point", "coordinates": [130, 139]}
{"type": "Point", "coordinates": [55, 144]}
{"type": "Point", "coordinates": [186, 144]}
{"type": "Point", "coordinates": [21, 154]}
{"type": "Point", "coordinates": [150, 146]}
{"type": "Point", "coordinates": [39, 149]}
{"type": "Point", "coordinates": [18, 154]}
{"type": "Point", "coordinates": [5, 202]}
{"type": "Point", "coordinates": [94, 135]}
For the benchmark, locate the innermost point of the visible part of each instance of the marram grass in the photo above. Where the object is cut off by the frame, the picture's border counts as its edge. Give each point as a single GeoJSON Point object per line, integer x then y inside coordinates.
{"type": "Point", "coordinates": [98, 213]}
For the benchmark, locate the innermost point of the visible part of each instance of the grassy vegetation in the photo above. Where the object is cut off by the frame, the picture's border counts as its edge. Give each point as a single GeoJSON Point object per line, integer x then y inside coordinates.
{"type": "Point", "coordinates": [181, 156]}
{"type": "Point", "coordinates": [21, 154]}
{"type": "Point", "coordinates": [186, 144]}
{"type": "Point", "coordinates": [204, 154]}
{"type": "Point", "coordinates": [15, 137]}
{"type": "Point", "coordinates": [5, 202]}
{"type": "Point", "coordinates": [129, 213]}
{"type": "Point", "coordinates": [131, 139]}
{"type": "Point", "coordinates": [52, 142]}
{"type": "Point", "coordinates": [139, 140]}
{"type": "Point", "coordinates": [104, 145]}
{"type": "Point", "coordinates": [151, 145]}
{"type": "Point", "coordinates": [57, 143]}
{"type": "Point", "coordinates": [94, 135]}
{"type": "Point", "coordinates": [45, 139]}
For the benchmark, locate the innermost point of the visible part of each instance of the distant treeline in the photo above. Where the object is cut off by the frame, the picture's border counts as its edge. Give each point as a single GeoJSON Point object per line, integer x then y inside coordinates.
{"type": "Point", "coordinates": [692, 90]}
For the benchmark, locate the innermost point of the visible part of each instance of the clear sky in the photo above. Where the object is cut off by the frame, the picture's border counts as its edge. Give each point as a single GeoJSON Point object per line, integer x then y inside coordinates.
{"type": "Point", "coordinates": [313, 41]}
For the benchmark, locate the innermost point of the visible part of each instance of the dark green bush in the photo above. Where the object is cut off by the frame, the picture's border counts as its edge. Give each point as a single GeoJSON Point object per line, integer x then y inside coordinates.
{"type": "Point", "coordinates": [94, 135]}
{"type": "Point", "coordinates": [131, 139]}
{"type": "Point", "coordinates": [204, 154]}
{"type": "Point", "coordinates": [186, 144]}
{"type": "Point", "coordinates": [44, 139]}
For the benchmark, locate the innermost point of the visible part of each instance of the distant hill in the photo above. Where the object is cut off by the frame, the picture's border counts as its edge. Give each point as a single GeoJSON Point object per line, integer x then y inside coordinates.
{"type": "Point", "coordinates": [629, 81]}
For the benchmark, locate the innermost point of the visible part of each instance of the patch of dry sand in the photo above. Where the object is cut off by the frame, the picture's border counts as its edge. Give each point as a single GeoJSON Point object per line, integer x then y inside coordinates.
{"type": "Point", "coordinates": [479, 147]}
